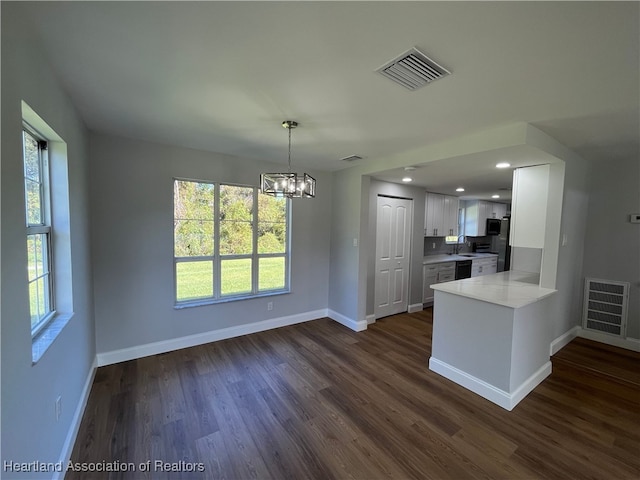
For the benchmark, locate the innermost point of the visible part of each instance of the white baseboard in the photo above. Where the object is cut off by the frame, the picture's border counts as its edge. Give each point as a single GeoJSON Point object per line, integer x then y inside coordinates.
{"type": "Point", "coordinates": [355, 325]}
{"type": "Point", "coordinates": [560, 342]}
{"type": "Point", "coordinates": [529, 384]}
{"type": "Point", "coordinates": [416, 307]}
{"type": "Point", "coordinates": [628, 343]}
{"type": "Point", "coordinates": [131, 353]}
{"type": "Point", "coordinates": [72, 434]}
{"type": "Point", "coordinates": [501, 398]}
{"type": "Point", "coordinates": [370, 319]}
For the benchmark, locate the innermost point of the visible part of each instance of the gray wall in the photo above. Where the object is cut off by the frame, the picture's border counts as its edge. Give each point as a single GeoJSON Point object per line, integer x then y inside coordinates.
{"type": "Point", "coordinates": [350, 272]}
{"type": "Point", "coordinates": [612, 250]}
{"type": "Point", "coordinates": [29, 428]}
{"type": "Point", "coordinates": [345, 292]}
{"type": "Point", "coordinates": [132, 231]}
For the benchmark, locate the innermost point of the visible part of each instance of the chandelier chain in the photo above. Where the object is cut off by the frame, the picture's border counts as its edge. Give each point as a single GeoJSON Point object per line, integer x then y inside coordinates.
{"type": "Point", "coordinates": [289, 149]}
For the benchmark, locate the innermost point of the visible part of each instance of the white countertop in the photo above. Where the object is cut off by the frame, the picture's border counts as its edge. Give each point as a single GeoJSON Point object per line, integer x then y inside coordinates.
{"type": "Point", "coordinates": [512, 289]}
{"type": "Point", "coordinates": [429, 259]}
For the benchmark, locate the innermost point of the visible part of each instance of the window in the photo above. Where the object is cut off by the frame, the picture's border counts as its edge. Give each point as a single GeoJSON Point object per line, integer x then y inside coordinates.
{"type": "Point", "coordinates": [230, 242]}
{"type": "Point", "coordinates": [48, 231]}
{"type": "Point", "coordinates": [39, 234]}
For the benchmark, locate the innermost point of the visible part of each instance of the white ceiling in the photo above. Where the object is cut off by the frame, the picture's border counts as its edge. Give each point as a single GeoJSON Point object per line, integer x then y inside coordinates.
{"type": "Point", "coordinates": [222, 76]}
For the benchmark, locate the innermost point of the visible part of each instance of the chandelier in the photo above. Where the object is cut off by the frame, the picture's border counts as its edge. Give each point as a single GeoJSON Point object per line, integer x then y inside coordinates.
{"type": "Point", "coordinates": [291, 185]}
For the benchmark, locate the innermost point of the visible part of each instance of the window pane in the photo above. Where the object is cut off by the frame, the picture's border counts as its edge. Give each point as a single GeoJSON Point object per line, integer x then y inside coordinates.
{"type": "Point", "coordinates": [41, 306]}
{"type": "Point", "coordinates": [194, 280]}
{"type": "Point", "coordinates": [192, 200]}
{"type": "Point", "coordinates": [193, 238]}
{"type": "Point", "coordinates": [34, 203]}
{"type": "Point", "coordinates": [271, 275]}
{"type": "Point", "coordinates": [42, 245]}
{"type": "Point", "coordinates": [236, 276]}
{"type": "Point", "coordinates": [39, 300]}
{"type": "Point", "coordinates": [32, 256]}
{"type": "Point", "coordinates": [272, 226]}
{"type": "Point", "coordinates": [236, 215]}
{"type": "Point", "coordinates": [37, 255]}
{"type": "Point", "coordinates": [33, 304]}
{"type": "Point", "coordinates": [31, 157]}
{"type": "Point", "coordinates": [45, 301]}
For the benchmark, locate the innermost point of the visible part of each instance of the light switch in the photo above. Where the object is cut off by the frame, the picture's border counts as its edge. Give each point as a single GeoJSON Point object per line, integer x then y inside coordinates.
{"type": "Point", "coordinates": [355, 242]}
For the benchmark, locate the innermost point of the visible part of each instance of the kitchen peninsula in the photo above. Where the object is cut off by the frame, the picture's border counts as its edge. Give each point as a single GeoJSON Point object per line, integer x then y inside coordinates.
{"type": "Point", "coordinates": [491, 334]}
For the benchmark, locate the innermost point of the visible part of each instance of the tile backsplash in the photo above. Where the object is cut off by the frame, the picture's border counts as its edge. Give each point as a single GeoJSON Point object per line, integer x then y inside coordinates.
{"type": "Point", "coordinates": [437, 245]}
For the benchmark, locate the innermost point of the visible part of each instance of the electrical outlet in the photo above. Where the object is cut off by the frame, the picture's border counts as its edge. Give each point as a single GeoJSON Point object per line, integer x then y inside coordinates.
{"type": "Point", "coordinates": [58, 408]}
{"type": "Point", "coordinates": [433, 245]}
{"type": "Point", "coordinates": [269, 305]}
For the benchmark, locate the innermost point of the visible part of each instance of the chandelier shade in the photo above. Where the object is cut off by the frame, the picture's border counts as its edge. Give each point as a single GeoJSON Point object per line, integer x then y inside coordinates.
{"type": "Point", "coordinates": [290, 185]}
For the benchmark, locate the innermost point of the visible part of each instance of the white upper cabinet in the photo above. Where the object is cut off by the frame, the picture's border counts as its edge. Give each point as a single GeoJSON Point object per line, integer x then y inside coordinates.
{"type": "Point", "coordinates": [476, 214]}
{"type": "Point", "coordinates": [441, 215]}
{"type": "Point", "coordinates": [451, 207]}
{"type": "Point", "coordinates": [529, 206]}
{"type": "Point", "coordinates": [475, 218]}
{"type": "Point", "coordinates": [434, 215]}
{"type": "Point", "coordinates": [499, 210]}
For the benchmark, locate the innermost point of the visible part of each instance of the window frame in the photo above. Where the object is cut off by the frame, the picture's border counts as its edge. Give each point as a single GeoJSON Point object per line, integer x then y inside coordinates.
{"type": "Point", "coordinates": [217, 258]}
{"type": "Point", "coordinates": [45, 226]}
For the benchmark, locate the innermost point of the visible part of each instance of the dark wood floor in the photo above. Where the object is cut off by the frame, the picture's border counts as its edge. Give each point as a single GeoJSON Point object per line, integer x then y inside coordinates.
{"type": "Point", "coordinates": [318, 401]}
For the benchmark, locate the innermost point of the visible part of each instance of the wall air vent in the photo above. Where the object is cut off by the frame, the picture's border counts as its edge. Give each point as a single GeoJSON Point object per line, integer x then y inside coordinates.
{"type": "Point", "coordinates": [351, 158]}
{"type": "Point", "coordinates": [605, 306]}
{"type": "Point", "coordinates": [413, 69]}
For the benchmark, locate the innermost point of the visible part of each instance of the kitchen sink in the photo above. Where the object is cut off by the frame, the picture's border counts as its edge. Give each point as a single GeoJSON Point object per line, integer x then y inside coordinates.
{"type": "Point", "coordinates": [467, 255]}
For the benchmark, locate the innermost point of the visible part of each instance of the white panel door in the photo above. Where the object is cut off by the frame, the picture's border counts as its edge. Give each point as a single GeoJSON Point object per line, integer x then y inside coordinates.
{"type": "Point", "coordinates": [393, 258]}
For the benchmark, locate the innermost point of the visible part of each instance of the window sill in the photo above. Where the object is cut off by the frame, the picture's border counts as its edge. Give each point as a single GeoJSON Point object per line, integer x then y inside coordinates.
{"type": "Point", "coordinates": [45, 338]}
{"type": "Point", "coordinates": [209, 301]}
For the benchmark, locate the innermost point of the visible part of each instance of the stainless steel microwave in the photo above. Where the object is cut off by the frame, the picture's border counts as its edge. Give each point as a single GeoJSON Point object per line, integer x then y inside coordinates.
{"type": "Point", "coordinates": [493, 226]}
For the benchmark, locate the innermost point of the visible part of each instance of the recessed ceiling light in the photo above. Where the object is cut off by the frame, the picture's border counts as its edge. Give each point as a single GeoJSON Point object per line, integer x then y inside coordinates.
{"type": "Point", "coordinates": [459, 189]}
{"type": "Point", "coordinates": [503, 165]}
{"type": "Point", "coordinates": [495, 196]}
{"type": "Point", "coordinates": [407, 179]}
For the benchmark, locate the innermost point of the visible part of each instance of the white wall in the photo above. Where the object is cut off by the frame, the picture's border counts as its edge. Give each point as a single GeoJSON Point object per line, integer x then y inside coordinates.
{"type": "Point", "coordinates": [612, 250]}
{"type": "Point", "coordinates": [29, 428]}
{"type": "Point", "coordinates": [132, 232]}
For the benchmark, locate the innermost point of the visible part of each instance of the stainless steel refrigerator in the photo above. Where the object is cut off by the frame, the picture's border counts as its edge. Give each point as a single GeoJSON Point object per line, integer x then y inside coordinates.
{"type": "Point", "coordinates": [501, 245]}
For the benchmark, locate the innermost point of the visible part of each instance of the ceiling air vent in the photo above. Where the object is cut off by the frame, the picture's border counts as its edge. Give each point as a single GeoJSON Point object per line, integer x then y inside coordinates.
{"type": "Point", "coordinates": [351, 158]}
{"type": "Point", "coordinates": [413, 69]}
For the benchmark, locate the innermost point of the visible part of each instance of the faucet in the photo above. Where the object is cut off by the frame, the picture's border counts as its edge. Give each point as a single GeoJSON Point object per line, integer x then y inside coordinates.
{"type": "Point", "coordinates": [456, 247]}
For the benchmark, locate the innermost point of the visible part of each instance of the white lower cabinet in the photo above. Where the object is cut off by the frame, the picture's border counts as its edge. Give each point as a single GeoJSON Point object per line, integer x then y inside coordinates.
{"type": "Point", "coordinates": [436, 273]}
{"type": "Point", "coordinates": [484, 266]}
